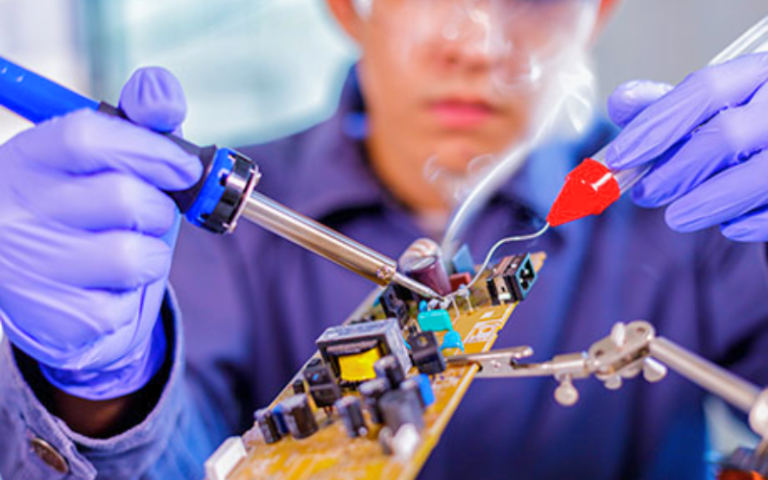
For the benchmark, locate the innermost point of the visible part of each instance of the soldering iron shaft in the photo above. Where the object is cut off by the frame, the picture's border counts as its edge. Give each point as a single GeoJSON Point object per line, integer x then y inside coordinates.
{"type": "Point", "coordinates": [327, 243]}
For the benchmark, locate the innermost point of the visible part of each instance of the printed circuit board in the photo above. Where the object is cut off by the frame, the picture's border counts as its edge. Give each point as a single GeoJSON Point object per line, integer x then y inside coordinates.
{"type": "Point", "coordinates": [329, 450]}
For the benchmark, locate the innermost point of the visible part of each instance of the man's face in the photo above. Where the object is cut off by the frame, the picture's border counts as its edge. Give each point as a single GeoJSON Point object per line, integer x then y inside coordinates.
{"type": "Point", "coordinates": [452, 80]}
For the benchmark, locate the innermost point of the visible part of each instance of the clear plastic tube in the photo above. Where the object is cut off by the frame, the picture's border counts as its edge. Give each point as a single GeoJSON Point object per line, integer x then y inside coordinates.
{"type": "Point", "coordinates": [754, 40]}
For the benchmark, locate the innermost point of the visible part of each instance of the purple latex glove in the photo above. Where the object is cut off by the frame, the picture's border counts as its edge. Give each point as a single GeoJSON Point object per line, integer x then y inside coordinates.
{"type": "Point", "coordinates": [707, 137]}
{"type": "Point", "coordinates": [87, 238]}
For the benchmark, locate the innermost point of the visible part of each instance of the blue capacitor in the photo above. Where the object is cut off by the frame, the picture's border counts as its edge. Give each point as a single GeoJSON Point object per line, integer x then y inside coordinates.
{"type": "Point", "coordinates": [421, 385]}
{"type": "Point", "coordinates": [463, 261]}
{"type": "Point", "coordinates": [425, 386]}
{"type": "Point", "coordinates": [452, 339]}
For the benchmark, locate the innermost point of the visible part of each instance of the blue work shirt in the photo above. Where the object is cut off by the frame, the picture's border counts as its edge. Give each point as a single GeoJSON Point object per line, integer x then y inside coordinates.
{"type": "Point", "coordinates": [251, 305]}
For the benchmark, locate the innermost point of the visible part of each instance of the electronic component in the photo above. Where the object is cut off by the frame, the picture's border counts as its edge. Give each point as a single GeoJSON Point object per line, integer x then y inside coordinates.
{"type": "Point", "coordinates": [331, 453]}
{"type": "Point", "coordinates": [268, 427]}
{"type": "Point", "coordinates": [299, 386]}
{"type": "Point", "coordinates": [511, 279]}
{"type": "Point", "coordinates": [323, 386]}
{"type": "Point", "coordinates": [425, 387]}
{"type": "Point", "coordinates": [411, 331]}
{"type": "Point", "coordinates": [225, 459]}
{"type": "Point", "coordinates": [422, 261]}
{"type": "Point", "coordinates": [401, 445]}
{"type": "Point", "coordinates": [351, 412]}
{"type": "Point", "coordinates": [357, 367]}
{"type": "Point", "coordinates": [459, 279]}
{"type": "Point", "coordinates": [352, 350]}
{"type": "Point", "coordinates": [277, 412]}
{"type": "Point", "coordinates": [389, 367]}
{"type": "Point", "coordinates": [299, 416]}
{"type": "Point", "coordinates": [365, 319]}
{"type": "Point", "coordinates": [463, 262]}
{"type": "Point", "coordinates": [420, 248]}
{"type": "Point", "coordinates": [429, 271]}
{"type": "Point", "coordinates": [421, 385]}
{"type": "Point", "coordinates": [452, 339]}
{"type": "Point", "coordinates": [464, 292]}
{"type": "Point", "coordinates": [437, 320]}
{"type": "Point", "coordinates": [372, 391]}
{"type": "Point", "coordinates": [403, 293]}
{"type": "Point", "coordinates": [393, 306]}
{"type": "Point", "coordinates": [401, 407]}
{"type": "Point", "coordinates": [386, 440]}
{"type": "Point", "coordinates": [426, 354]}
{"type": "Point", "coordinates": [411, 385]}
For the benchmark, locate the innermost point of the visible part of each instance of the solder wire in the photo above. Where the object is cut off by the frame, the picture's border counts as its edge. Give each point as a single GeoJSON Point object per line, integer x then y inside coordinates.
{"type": "Point", "coordinates": [492, 252]}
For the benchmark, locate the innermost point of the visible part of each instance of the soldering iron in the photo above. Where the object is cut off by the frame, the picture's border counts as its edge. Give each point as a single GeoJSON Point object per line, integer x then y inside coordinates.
{"type": "Point", "coordinates": [226, 191]}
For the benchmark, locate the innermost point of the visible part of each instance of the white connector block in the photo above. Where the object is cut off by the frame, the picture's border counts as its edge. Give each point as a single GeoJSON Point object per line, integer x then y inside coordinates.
{"type": "Point", "coordinates": [225, 459]}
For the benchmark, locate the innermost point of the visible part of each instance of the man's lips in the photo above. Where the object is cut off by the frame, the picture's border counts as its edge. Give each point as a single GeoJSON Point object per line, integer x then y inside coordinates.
{"type": "Point", "coordinates": [461, 114]}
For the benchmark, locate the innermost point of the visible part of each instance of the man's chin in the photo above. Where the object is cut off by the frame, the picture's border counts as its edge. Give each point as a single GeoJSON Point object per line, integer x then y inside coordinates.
{"type": "Point", "coordinates": [458, 158]}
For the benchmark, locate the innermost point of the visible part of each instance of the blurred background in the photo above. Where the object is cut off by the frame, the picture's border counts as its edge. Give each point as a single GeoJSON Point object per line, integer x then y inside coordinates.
{"type": "Point", "coordinates": [255, 70]}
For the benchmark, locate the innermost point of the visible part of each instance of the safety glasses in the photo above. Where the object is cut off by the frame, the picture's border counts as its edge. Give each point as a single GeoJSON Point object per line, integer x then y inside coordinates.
{"type": "Point", "coordinates": [516, 38]}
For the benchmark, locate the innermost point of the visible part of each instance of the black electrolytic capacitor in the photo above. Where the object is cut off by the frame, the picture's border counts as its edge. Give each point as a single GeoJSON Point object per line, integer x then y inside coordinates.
{"type": "Point", "coordinates": [412, 385]}
{"type": "Point", "coordinates": [399, 407]}
{"type": "Point", "coordinates": [299, 416]}
{"type": "Point", "coordinates": [299, 386]}
{"type": "Point", "coordinates": [277, 412]}
{"type": "Point", "coordinates": [372, 391]}
{"type": "Point", "coordinates": [430, 271]}
{"type": "Point", "coordinates": [389, 367]}
{"type": "Point", "coordinates": [351, 411]}
{"type": "Point", "coordinates": [422, 261]}
{"type": "Point", "coordinates": [268, 425]}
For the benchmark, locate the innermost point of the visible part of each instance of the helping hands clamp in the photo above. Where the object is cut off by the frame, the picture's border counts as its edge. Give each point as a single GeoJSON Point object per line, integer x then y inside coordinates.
{"type": "Point", "coordinates": [628, 351]}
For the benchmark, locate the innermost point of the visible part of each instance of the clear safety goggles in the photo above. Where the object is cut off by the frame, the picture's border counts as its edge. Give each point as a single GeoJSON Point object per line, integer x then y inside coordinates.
{"type": "Point", "coordinates": [518, 38]}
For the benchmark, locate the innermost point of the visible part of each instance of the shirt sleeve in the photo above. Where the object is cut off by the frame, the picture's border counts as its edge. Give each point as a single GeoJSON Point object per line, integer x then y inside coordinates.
{"type": "Point", "coordinates": [171, 442]}
{"type": "Point", "coordinates": [734, 278]}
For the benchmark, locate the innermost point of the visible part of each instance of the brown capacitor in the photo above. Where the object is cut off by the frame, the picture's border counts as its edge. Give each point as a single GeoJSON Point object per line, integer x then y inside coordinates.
{"type": "Point", "coordinates": [423, 262]}
{"type": "Point", "coordinates": [459, 279]}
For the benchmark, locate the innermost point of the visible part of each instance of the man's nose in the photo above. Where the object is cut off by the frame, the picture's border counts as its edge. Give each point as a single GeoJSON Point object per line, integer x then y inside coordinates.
{"type": "Point", "coordinates": [472, 39]}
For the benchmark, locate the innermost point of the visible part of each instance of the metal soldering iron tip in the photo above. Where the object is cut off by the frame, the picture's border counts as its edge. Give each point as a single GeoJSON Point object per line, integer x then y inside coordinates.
{"type": "Point", "coordinates": [416, 287]}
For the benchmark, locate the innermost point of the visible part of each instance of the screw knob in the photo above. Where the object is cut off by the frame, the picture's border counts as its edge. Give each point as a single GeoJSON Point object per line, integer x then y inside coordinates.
{"type": "Point", "coordinates": [619, 334]}
{"type": "Point", "coordinates": [613, 383]}
{"type": "Point", "coordinates": [566, 394]}
{"type": "Point", "coordinates": [653, 371]}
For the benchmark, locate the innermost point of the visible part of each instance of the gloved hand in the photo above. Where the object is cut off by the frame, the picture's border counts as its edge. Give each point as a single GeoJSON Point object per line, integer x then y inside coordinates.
{"type": "Point", "coordinates": [707, 137]}
{"type": "Point", "coordinates": [87, 238]}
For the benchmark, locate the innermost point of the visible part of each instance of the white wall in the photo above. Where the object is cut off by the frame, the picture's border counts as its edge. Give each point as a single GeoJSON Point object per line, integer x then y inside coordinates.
{"type": "Point", "coordinates": [40, 35]}
{"type": "Point", "coordinates": [666, 39]}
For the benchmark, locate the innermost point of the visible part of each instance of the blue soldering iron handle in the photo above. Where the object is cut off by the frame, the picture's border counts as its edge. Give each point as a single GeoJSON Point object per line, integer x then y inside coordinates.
{"type": "Point", "coordinates": [36, 98]}
{"type": "Point", "coordinates": [211, 203]}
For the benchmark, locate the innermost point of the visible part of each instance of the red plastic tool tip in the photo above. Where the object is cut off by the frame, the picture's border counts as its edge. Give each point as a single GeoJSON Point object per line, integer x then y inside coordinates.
{"type": "Point", "coordinates": [588, 190]}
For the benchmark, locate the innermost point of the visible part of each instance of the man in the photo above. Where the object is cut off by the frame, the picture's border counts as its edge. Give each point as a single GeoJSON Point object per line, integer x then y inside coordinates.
{"type": "Point", "coordinates": [96, 380]}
